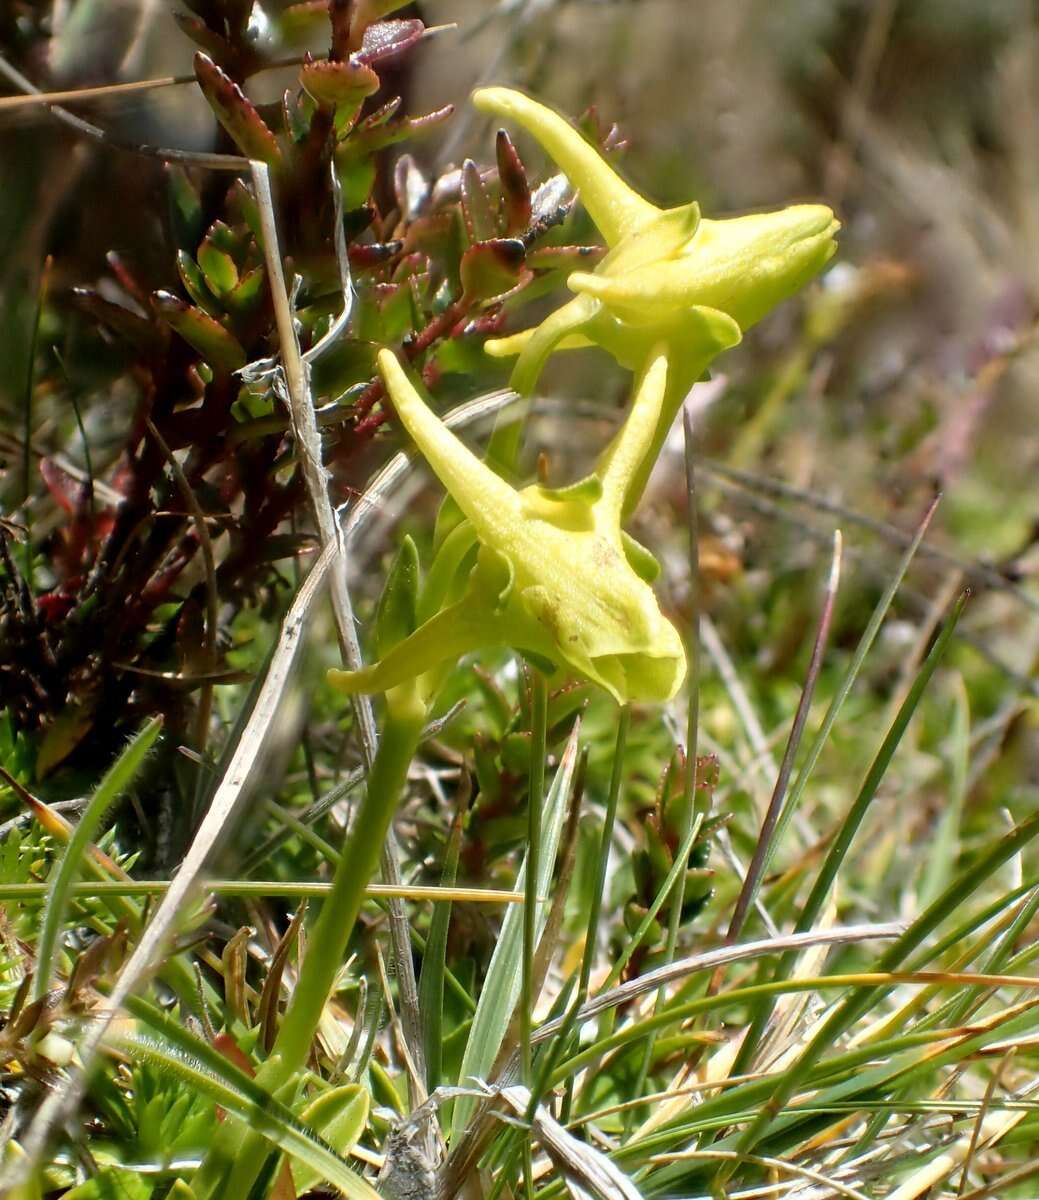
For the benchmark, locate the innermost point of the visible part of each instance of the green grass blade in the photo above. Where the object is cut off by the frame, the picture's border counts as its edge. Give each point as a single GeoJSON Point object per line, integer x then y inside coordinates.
{"type": "Point", "coordinates": [858, 1002]}
{"type": "Point", "coordinates": [943, 853]}
{"type": "Point", "coordinates": [434, 957]}
{"type": "Point", "coordinates": [501, 987]}
{"type": "Point", "coordinates": [841, 843]}
{"type": "Point", "coordinates": [63, 875]}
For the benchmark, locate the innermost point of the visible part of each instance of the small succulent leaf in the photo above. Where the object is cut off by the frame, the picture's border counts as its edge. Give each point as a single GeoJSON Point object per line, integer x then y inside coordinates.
{"type": "Point", "coordinates": [297, 112]}
{"type": "Point", "coordinates": [479, 219]}
{"type": "Point", "coordinates": [382, 114]}
{"type": "Point", "coordinates": [367, 11]}
{"type": "Point", "coordinates": [236, 112]}
{"type": "Point", "coordinates": [492, 268]}
{"type": "Point", "coordinates": [564, 258]}
{"type": "Point", "coordinates": [616, 208]}
{"type": "Point", "coordinates": [243, 207]}
{"type": "Point", "coordinates": [218, 267]}
{"type": "Point", "coordinates": [387, 39]}
{"type": "Point", "coordinates": [366, 139]}
{"type": "Point", "coordinates": [195, 283]}
{"type": "Point", "coordinates": [119, 319]}
{"type": "Point", "coordinates": [217, 346]}
{"type": "Point", "coordinates": [395, 617]}
{"type": "Point", "coordinates": [340, 85]}
{"type": "Point", "coordinates": [356, 179]}
{"type": "Point", "coordinates": [248, 293]}
{"type": "Point", "coordinates": [641, 560]}
{"type": "Point", "coordinates": [515, 190]}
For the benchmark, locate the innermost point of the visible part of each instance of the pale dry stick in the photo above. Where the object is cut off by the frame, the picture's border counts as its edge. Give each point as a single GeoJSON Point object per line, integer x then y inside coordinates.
{"type": "Point", "coordinates": [308, 443]}
{"type": "Point", "coordinates": [990, 1091]}
{"type": "Point", "coordinates": [105, 91]}
{"type": "Point", "coordinates": [240, 770]}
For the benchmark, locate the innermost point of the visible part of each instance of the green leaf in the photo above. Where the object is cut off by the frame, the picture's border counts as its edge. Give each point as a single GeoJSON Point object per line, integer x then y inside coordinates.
{"type": "Point", "coordinates": [247, 295]}
{"type": "Point", "coordinates": [117, 779]}
{"type": "Point", "coordinates": [218, 347]}
{"type": "Point", "coordinates": [343, 86]}
{"type": "Point", "coordinates": [492, 268]}
{"type": "Point", "coordinates": [338, 1117]}
{"type": "Point", "coordinates": [195, 283]}
{"type": "Point", "coordinates": [434, 959]}
{"type": "Point", "coordinates": [477, 214]}
{"type": "Point", "coordinates": [113, 1183]}
{"type": "Point", "coordinates": [217, 266]}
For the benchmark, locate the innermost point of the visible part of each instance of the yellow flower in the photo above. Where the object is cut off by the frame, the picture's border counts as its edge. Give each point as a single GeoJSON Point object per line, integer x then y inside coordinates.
{"type": "Point", "coordinates": [670, 277]}
{"type": "Point", "coordinates": [554, 577]}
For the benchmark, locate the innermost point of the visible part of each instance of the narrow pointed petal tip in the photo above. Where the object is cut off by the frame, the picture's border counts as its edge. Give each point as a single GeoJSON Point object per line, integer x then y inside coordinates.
{"type": "Point", "coordinates": [616, 208]}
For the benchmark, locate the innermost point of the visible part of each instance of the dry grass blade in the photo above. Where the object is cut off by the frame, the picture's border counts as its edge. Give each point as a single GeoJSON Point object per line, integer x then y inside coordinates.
{"type": "Point", "coordinates": [780, 1165]}
{"type": "Point", "coordinates": [213, 162]}
{"type": "Point", "coordinates": [841, 935]}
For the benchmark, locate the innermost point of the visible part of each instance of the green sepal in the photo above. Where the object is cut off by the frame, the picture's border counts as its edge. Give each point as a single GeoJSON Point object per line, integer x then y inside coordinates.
{"type": "Point", "coordinates": [641, 561]}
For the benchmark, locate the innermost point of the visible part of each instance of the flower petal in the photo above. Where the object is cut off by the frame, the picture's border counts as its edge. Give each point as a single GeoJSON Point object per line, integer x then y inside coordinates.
{"type": "Point", "coordinates": [616, 208]}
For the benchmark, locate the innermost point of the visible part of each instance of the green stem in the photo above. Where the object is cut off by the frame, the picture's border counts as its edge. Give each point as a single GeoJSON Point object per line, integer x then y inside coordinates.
{"type": "Point", "coordinates": [237, 1154]}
